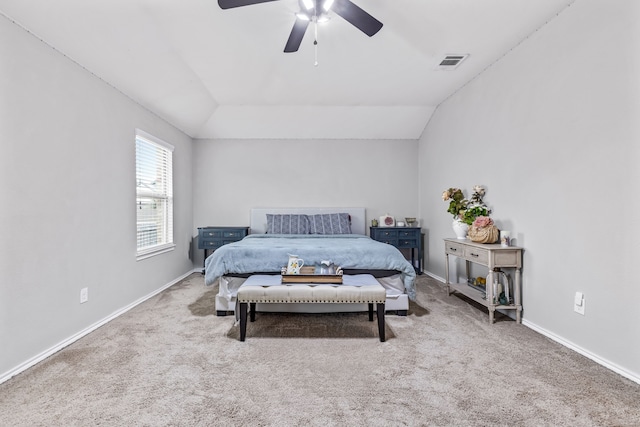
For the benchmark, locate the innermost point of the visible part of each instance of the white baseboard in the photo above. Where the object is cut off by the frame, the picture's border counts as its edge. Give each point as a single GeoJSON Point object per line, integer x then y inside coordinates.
{"type": "Point", "coordinates": [600, 361]}
{"type": "Point", "coordinates": [430, 274]}
{"type": "Point", "coordinates": [586, 353]}
{"type": "Point", "coordinates": [40, 357]}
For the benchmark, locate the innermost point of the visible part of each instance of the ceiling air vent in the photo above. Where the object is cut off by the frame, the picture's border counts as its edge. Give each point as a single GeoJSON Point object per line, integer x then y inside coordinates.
{"type": "Point", "coordinates": [451, 62]}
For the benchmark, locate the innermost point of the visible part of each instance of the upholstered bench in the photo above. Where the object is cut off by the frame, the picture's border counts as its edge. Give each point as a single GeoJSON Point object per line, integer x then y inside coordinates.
{"type": "Point", "coordinates": [253, 291]}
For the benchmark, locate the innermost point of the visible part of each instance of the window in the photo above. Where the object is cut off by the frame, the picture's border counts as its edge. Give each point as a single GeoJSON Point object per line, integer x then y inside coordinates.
{"type": "Point", "coordinates": [154, 195]}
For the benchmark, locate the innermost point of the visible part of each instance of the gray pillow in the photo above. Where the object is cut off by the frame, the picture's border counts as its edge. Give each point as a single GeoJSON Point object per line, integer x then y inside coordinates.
{"type": "Point", "coordinates": [287, 224]}
{"type": "Point", "coordinates": [335, 223]}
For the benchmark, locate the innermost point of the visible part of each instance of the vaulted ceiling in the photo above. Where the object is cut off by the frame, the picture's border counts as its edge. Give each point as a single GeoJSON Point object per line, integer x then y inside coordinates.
{"type": "Point", "coordinates": [217, 73]}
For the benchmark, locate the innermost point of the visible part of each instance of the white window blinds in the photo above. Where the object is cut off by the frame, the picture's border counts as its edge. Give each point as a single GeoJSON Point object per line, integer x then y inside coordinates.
{"type": "Point", "coordinates": [154, 194]}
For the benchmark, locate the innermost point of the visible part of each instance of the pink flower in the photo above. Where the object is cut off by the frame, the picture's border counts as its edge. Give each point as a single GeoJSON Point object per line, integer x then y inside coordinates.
{"type": "Point", "coordinates": [482, 221]}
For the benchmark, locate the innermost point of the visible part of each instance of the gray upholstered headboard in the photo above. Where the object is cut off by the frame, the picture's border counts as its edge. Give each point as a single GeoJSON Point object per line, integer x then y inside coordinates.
{"type": "Point", "coordinates": [259, 217]}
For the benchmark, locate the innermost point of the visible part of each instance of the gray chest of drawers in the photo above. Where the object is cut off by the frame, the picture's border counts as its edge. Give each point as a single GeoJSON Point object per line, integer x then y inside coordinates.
{"type": "Point", "coordinates": [401, 238]}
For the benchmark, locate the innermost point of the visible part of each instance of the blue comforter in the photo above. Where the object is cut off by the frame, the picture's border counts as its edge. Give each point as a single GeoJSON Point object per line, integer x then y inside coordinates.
{"type": "Point", "coordinates": [270, 252]}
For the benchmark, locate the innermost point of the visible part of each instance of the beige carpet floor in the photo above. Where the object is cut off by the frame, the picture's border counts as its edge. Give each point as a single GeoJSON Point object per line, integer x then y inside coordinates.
{"type": "Point", "coordinates": [171, 362]}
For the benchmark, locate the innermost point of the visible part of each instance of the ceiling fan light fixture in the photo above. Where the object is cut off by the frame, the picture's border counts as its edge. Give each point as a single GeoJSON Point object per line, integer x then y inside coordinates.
{"type": "Point", "coordinates": [303, 16]}
{"type": "Point", "coordinates": [316, 11]}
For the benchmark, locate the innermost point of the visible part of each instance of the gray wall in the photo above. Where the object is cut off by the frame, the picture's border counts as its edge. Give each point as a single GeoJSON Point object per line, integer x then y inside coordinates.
{"type": "Point", "coordinates": [552, 130]}
{"type": "Point", "coordinates": [67, 197]}
{"type": "Point", "coordinates": [233, 176]}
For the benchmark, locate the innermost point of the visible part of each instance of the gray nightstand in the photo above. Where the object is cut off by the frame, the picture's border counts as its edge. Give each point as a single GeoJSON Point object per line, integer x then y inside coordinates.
{"type": "Point", "coordinates": [211, 238]}
{"type": "Point", "coordinates": [401, 238]}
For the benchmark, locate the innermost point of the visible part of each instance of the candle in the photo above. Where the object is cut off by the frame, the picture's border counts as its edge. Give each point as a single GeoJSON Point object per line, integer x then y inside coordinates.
{"type": "Point", "coordinates": [505, 238]}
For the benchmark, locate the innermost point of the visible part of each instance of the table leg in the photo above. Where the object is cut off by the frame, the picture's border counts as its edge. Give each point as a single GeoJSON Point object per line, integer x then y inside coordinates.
{"type": "Point", "coordinates": [204, 260]}
{"type": "Point", "coordinates": [420, 254]}
{"type": "Point", "coordinates": [467, 269]}
{"type": "Point", "coordinates": [413, 261]}
{"type": "Point", "coordinates": [518, 297]}
{"type": "Point", "coordinates": [446, 272]}
{"type": "Point", "coordinates": [490, 297]}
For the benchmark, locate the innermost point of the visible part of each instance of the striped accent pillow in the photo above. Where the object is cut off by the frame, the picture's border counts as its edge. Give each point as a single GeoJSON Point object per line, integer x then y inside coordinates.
{"type": "Point", "coordinates": [335, 223]}
{"type": "Point", "coordinates": [287, 224]}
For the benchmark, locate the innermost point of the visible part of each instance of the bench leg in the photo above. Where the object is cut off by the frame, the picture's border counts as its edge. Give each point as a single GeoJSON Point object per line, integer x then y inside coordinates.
{"type": "Point", "coordinates": [370, 312]}
{"type": "Point", "coordinates": [252, 307]}
{"type": "Point", "coordinates": [380, 310]}
{"type": "Point", "coordinates": [243, 320]}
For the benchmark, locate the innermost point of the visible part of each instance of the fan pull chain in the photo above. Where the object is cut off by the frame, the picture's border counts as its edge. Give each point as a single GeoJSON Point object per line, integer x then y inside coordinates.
{"type": "Point", "coordinates": [315, 43]}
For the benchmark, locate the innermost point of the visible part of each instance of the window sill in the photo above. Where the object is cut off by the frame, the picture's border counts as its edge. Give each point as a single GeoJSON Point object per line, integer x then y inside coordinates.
{"type": "Point", "coordinates": [156, 250]}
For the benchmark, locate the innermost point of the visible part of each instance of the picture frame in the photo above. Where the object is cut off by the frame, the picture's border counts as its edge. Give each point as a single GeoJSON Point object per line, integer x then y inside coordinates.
{"type": "Point", "coordinates": [387, 221]}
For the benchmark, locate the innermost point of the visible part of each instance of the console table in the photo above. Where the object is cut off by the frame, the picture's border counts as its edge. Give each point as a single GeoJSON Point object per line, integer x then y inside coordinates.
{"type": "Point", "coordinates": [211, 238]}
{"type": "Point", "coordinates": [491, 256]}
{"type": "Point", "coordinates": [401, 238]}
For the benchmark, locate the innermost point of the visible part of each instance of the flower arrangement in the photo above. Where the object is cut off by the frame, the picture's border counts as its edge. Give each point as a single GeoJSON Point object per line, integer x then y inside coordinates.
{"type": "Point", "coordinates": [458, 203]}
{"type": "Point", "coordinates": [482, 221]}
{"type": "Point", "coordinates": [466, 210]}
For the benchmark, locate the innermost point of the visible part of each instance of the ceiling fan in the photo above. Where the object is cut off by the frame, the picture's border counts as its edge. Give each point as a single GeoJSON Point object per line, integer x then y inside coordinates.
{"type": "Point", "coordinates": [316, 11]}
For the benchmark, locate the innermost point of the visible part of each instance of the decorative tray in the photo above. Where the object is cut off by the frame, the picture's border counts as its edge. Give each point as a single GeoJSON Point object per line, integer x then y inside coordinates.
{"type": "Point", "coordinates": [307, 275]}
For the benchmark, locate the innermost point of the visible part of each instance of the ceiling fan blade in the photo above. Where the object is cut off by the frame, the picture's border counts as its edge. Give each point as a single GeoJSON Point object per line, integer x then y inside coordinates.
{"type": "Point", "coordinates": [228, 4]}
{"type": "Point", "coordinates": [357, 17]}
{"type": "Point", "coordinates": [297, 33]}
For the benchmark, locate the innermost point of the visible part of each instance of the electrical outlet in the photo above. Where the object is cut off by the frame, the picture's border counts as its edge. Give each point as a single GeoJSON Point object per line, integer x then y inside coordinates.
{"type": "Point", "coordinates": [578, 303]}
{"type": "Point", "coordinates": [84, 295]}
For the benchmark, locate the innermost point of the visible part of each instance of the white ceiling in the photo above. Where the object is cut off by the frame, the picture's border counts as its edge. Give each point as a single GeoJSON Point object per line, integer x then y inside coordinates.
{"type": "Point", "coordinates": [217, 73]}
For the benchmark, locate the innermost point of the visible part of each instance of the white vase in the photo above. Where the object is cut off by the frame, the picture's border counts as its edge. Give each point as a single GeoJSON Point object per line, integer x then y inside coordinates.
{"type": "Point", "coordinates": [460, 228]}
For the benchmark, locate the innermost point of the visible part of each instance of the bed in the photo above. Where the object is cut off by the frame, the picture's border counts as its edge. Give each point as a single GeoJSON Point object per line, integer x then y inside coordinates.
{"type": "Point", "coordinates": [314, 234]}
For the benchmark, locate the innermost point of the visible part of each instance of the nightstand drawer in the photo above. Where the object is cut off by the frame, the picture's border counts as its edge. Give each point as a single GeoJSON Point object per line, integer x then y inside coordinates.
{"type": "Point", "coordinates": [211, 238]}
{"type": "Point", "coordinates": [476, 255]}
{"type": "Point", "coordinates": [211, 244]}
{"type": "Point", "coordinates": [234, 234]}
{"type": "Point", "coordinates": [210, 233]}
{"type": "Point", "coordinates": [407, 243]}
{"type": "Point", "coordinates": [408, 238]}
{"type": "Point", "coordinates": [392, 242]}
{"type": "Point", "coordinates": [382, 234]}
{"type": "Point", "coordinates": [409, 234]}
{"type": "Point", "coordinates": [454, 248]}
